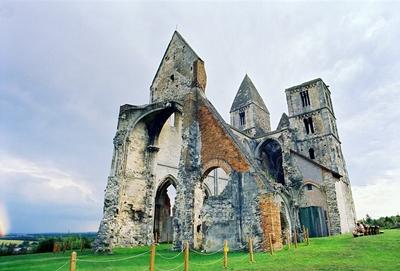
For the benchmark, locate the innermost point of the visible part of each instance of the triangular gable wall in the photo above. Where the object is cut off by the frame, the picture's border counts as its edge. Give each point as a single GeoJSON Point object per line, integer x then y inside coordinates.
{"type": "Point", "coordinates": [174, 76]}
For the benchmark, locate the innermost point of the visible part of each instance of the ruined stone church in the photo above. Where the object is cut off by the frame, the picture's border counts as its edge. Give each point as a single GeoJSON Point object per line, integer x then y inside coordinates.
{"type": "Point", "coordinates": [180, 172]}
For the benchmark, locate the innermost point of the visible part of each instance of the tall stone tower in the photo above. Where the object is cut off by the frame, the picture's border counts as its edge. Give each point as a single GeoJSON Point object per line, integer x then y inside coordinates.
{"type": "Point", "coordinates": [313, 121]}
{"type": "Point", "coordinates": [248, 111]}
{"type": "Point", "coordinates": [311, 114]}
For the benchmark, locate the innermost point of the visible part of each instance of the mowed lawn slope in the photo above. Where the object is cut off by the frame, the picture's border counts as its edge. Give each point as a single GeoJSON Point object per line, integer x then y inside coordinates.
{"type": "Point", "coordinates": [377, 252]}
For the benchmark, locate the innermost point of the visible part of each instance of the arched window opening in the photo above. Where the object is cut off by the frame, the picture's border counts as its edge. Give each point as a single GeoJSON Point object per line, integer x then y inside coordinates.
{"type": "Point", "coordinates": [242, 119]}
{"type": "Point", "coordinates": [271, 159]}
{"type": "Point", "coordinates": [216, 181]}
{"type": "Point", "coordinates": [164, 212]}
{"type": "Point", "coordinates": [311, 153]}
{"type": "Point", "coordinates": [213, 183]}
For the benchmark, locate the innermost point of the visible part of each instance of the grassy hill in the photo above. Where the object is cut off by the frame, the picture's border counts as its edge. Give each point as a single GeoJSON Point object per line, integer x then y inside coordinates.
{"type": "Point", "coordinates": [378, 252]}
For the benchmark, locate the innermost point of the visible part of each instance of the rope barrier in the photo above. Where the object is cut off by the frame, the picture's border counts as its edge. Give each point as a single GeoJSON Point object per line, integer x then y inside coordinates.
{"type": "Point", "coordinates": [114, 260]}
{"type": "Point", "coordinates": [210, 263]}
{"type": "Point", "coordinates": [175, 268]}
{"type": "Point", "coordinates": [206, 254]}
{"type": "Point", "coordinates": [62, 266]}
{"type": "Point", "coordinates": [35, 260]}
{"type": "Point", "coordinates": [169, 258]}
{"type": "Point", "coordinates": [232, 259]}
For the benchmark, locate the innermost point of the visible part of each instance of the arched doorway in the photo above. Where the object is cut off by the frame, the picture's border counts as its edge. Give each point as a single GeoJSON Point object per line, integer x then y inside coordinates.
{"type": "Point", "coordinates": [164, 211]}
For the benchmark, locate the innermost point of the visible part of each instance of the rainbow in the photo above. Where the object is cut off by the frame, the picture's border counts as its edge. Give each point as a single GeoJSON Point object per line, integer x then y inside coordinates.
{"type": "Point", "coordinates": [4, 221]}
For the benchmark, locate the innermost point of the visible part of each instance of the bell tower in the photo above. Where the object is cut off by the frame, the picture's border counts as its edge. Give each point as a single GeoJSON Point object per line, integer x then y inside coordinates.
{"type": "Point", "coordinates": [313, 119]}
{"type": "Point", "coordinates": [249, 113]}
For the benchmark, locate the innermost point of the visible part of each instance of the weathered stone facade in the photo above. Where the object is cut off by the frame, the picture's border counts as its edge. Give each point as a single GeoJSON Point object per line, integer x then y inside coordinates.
{"type": "Point", "coordinates": [232, 181]}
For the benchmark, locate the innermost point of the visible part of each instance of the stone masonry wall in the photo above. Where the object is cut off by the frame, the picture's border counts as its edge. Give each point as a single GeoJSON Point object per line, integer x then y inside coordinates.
{"type": "Point", "coordinates": [215, 144]}
{"type": "Point", "coordinates": [271, 221]}
{"type": "Point", "coordinates": [333, 210]}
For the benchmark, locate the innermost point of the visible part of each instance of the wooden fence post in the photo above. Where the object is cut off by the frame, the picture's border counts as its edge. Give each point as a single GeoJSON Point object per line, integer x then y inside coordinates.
{"type": "Point", "coordinates": [308, 240]}
{"type": "Point", "coordinates": [271, 248]}
{"type": "Point", "coordinates": [288, 240]}
{"type": "Point", "coordinates": [295, 237]}
{"type": "Point", "coordinates": [226, 249]}
{"type": "Point", "coordinates": [186, 257]}
{"type": "Point", "coordinates": [72, 262]}
{"type": "Point", "coordinates": [152, 256]}
{"type": "Point", "coordinates": [251, 253]}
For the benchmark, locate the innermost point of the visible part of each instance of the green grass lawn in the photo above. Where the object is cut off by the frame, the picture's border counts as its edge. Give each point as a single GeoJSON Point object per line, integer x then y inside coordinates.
{"type": "Point", "coordinates": [377, 252]}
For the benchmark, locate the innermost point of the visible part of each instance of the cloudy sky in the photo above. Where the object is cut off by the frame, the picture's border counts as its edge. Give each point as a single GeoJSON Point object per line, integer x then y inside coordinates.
{"type": "Point", "coordinates": [66, 67]}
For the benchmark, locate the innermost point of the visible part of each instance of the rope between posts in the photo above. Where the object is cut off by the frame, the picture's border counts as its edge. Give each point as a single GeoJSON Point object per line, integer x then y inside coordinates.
{"type": "Point", "coordinates": [169, 258]}
{"type": "Point", "coordinates": [210, 263]}
{"type": "Point", "coordinates": [114, 260]}
{"type": "Point", "coordinates": [246, 256]}
{"type": "Point", "coordinates": [175, 268]}
{"type": "Point", "coordinates": [62, 266]}
{"type": "Point", "coordinates": [206, 254]}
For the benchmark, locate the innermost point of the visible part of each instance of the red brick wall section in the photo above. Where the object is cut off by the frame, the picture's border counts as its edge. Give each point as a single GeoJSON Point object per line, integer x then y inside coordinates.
{"type": "Point", "coordinates": [215, 144]}
{"type": "Point", "coordinates": [270, 221]}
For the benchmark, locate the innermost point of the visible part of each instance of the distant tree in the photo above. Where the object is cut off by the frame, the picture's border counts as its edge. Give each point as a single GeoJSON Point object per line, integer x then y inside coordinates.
{"type": "Point", "coordinates": [45, 245]}
{"type": "Point", "coordinates": [368, 219]}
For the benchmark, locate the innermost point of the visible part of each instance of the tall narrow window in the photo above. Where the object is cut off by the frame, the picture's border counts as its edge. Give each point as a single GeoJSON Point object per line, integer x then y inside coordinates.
{"type": "Point", "coordinates": [309, 186]}
{"type": "Point", "coordinates": [305, 98]}
{"type": "Point", "coordinates": [303, 101]}
{"type": "Point", "coordinates": [311, 153]}
{"type": "Point", "coordinates": [306, 125]}
{"type": "Point", "coordinates": [310, 122]}
{"type": "Point", "coordinates": [242, 119]}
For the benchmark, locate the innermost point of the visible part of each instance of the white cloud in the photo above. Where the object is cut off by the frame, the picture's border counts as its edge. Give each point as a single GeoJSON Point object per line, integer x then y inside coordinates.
{"type": "Point", "coordinates": [380, 198]}
{"type": "Point", "coordinates": [38, 182]}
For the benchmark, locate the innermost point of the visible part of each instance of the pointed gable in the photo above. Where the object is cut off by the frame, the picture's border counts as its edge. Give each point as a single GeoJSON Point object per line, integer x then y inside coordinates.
{"type": "Point", "coordinates": [246, 95]}
{"type": "Point", "coordinates": [175, 74]}
{"type": "Point", "coordinates": [283, 122]}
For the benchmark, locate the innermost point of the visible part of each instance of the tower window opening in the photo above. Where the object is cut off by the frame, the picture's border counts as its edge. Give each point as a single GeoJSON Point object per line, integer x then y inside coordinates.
{"type": "Point", "coordinates": [311, 153]}
{"type": "Point", "coordinates": [306, 125]}
{"type": "Point", "coordinates": [305, 98]}
{"type": "Point", "coordinates": [302, 99]}
{"type": "Point", "coordinates": [242, 118]}
{"type": "Point", "coordinates": [310, 123]}
{"type": "Point", "coordinates": [309, 186]}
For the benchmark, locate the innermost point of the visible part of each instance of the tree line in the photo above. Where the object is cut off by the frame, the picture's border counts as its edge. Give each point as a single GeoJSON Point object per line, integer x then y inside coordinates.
{"type": "Point", "coordinates": [385, 222]}
{"type": "Point", "coordinates": [46, 244]}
